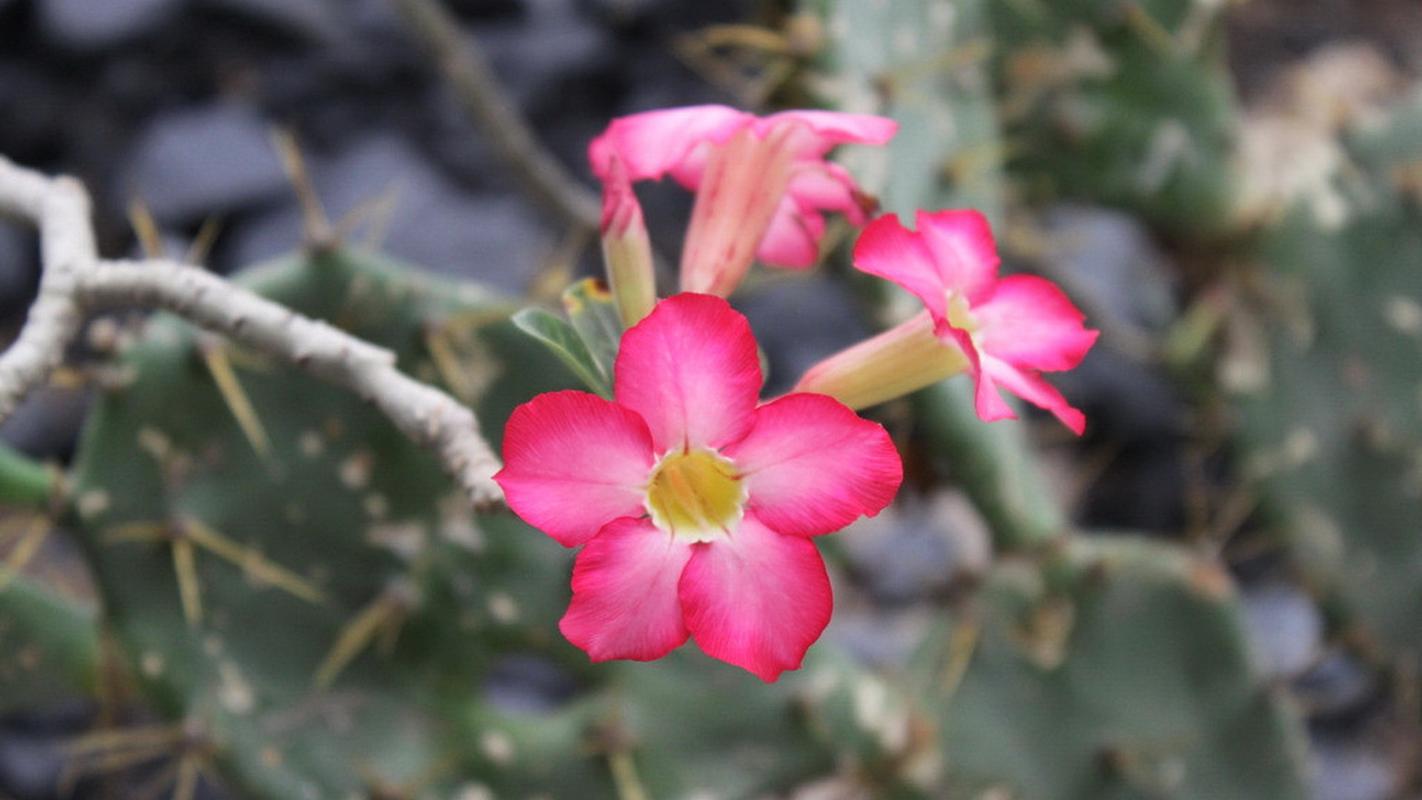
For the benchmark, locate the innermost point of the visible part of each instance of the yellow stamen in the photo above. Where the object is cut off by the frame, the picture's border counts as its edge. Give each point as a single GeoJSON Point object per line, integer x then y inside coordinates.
{"type": "Point", "coordinates": [696, 493]}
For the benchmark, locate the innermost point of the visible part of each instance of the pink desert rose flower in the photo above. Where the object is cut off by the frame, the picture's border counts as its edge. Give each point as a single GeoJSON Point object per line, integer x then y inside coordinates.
{"type": "Point", "coordinates": [1011, 329]}
{"type": "Point", "coordinates": [695, 503]}
{"type": "Point", "coordinates": [762, 183]}
{"type": "Point", "coordinates": [1004, 332]}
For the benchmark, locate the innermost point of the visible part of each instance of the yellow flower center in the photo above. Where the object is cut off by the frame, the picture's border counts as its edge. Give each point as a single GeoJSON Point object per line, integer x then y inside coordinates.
{"type": "Point", "coordinates": [695, 493]}
{"type": "Point", "coordinates": [960, 314]}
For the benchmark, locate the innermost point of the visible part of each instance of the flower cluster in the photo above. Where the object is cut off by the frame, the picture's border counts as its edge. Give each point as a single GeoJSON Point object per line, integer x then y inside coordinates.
{"type": "Point", "coordinates": [694, 502]}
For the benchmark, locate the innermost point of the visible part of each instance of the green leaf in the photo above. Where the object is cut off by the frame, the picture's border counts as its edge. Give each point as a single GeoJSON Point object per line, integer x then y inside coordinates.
{"type": "Point", "coordinates": [593, 312]}
{"type": "Point", "coordinates": [564, 340]}
{"type": "Point", "coordinates": [23, 481]}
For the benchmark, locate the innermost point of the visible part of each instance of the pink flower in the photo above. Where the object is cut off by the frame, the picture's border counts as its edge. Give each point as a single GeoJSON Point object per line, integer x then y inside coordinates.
{"type": "Point", "coordinates": [695, 503]}
{"type": "Point", "coordinates": [1011, 329]}
{"type": "Point", "coordinates": [762, 183]}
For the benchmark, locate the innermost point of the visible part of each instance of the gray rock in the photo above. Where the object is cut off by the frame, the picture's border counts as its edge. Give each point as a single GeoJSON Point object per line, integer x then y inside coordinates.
{"type": "Point", "coordinates": [1336, 685]}
{"type": "Point", "coordinates": [522, 684]}
{"type": "Point", "coordinates": [90, 25]}
{"type": "Point", "coordinates": [878, 638]}
{"type": "Point", "coordinates": [313, 20]}
{"type": "Point", "coordinates": [30, 766]}
{"type": "Point", "coordinates": [551, 44]}
{"type": "Point", "coordinates": [46, 424]}
{"type": "Point", "coordinates": [1110, 256]}
{"type": "Point", "coordinates": [1350, 770]}
{"type": "Point", "coordinates": [1107, 261]}
{"type": "Point", "coordinates": [19, 267]}
{"type": "Point", "coordinates": [798, 320]}
{"type": "Point", "coordinates": [916, 549]}
{"type": "Point", "coordinates": [1284, 627]}
{"type": "Point", "coordinates": [197, 162]}
{"type": "Point", "coordinates": [495, 239]}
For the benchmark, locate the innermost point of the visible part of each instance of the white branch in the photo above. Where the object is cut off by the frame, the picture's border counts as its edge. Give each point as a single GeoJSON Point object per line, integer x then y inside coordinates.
{"type": "Point", "coordinates": [61, 210]}
{"type": "Point", "coordinates": [75, 281]}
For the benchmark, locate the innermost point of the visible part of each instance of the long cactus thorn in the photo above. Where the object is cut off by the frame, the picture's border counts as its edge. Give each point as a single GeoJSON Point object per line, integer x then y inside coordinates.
{"type": "Point", "coordinates": [189, 588]}
{"type": "Point", "coordinates": [252, 562]}
{"type": "Point", "coordinates": [27, 545]}
{"type": "Point", "coordinates": [381, 618]}
{"type": "Point", "coordinates": [962, 643]}
{"type": "Point", "coordinates": [202, 243]}
{"type": "Point", "coordinates": [375, 213]}
{"type": "Point", "coordinates": [447, 363]}
{"type": "Point", "coordinates": [320, 236]}
{"type": "Point", "coordinates": [111, 751]}
{"type": "Point", "coordinates": [1149, 29]}
{"type": "Point", "coordinates": [214, 355]}
{"type": "Point", "coordinates": [145, 228]}
{"type": "Point", "coordinates": [557, 268]}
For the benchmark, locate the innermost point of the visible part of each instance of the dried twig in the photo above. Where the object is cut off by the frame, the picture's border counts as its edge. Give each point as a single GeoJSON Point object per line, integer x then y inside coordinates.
{"type": "Point", "coordinates": [74, 281]}
{"type": "Point", "coordinates": [467, 70]}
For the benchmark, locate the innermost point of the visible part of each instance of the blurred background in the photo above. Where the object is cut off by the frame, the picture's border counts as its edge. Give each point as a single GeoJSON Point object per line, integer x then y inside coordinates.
{"type": "Point", "coordinates": [1228, 188]}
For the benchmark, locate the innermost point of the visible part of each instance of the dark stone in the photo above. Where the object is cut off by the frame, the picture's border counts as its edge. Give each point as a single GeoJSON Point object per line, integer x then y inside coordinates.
{"type": "Point", "coordinates": [19, 269]}
{"type": "Point", "coordinates": [544, 57]}
{"type": "Point", "coordinates": [319, 21]}
{"type": "Point", "coordinates": [1139, 489]}
{"type": "Point", "coordinates": [1110, 265]}
{"type": "Point", "coordinates": [95, 25]}
{"type": "Point", "coordinates": [495, 239]}
{"type": "Point", "coordinates": [1110, 256]}
{"type": "Point", "coordinates": [1284, 628]}
{"type": "Point", "coordinates": [917, 549]}
{"type": "Point", "coordinates": [30, 766]}
{"type": "Point", "coordinates": [46, 424]}
{"type": "Point", "coordinates": [523, 684]}
{"type": "Point", "coordinates": [198, 162]}
{"type": "Point", "coordinates": [1336, 687]}
{"type": "Point", "coordinates": [798, 320]}
{"type": "Point", "coordinates": [1346, 769]}
{"type": "Point", "coordinates": [1125, 400]}
{"type": "Point", "coordinates": [33, 749]}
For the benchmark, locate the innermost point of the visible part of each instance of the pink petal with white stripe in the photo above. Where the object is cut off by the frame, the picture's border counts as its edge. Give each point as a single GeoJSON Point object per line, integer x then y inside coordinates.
{"type": "Point", "coordinates": [812, 466]}
{"type": "Point", "coordinates": [963, 249]}
{"type": "Point", "coordinates": [574, 462]}
{"type": "Point", "coordinates": [831, 128]}
{"type": "Point", "coordinates": [655, 143]}
{"type": "Point", "coordinates": [625, 602]}
{"type": "Point", "coordinates": [1032, 387]}
{"type": "Point", "coordinates": [757, 599]}
{"type": "Point", "coordinates": [793, 239]}
{"type": "Point", "coordinates": [889, 250]}
{"type": "Point", "coordinates": [691, 371]}
{"type": "Point", "coordinates": [1030, 322]}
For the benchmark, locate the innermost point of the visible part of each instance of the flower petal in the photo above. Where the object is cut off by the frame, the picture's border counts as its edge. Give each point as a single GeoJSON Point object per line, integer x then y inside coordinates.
{"type": "Point", "coordinates": [653, 143]}
{"type": "Point", "coordinates": [625, 601]}
{"type": "Point", "coordinates": [793, 239]}
{"type": "Point", "coordinates": [988, 401]}
{"type": "Point", "coordinates": [1030, 322]}
{"type": "Point", "coordinates": [574, 462]}
{"type": "Point", "coordinates": [813, 466]}
{"type": "Point", "coordinates": [757, 599]}
{"type": "Point", "coordinates": [832, 128]}
{"type": "Point", "coordinates": [828, 187]}
{"type": "Point", "coordinates": [963, 249]}
{"type": "Point", "coordinates": [691, 370]}
{"type": "Point", "coordinates": [889, 250]}
{"type": "Point", "coordinates": [1030, 386]}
